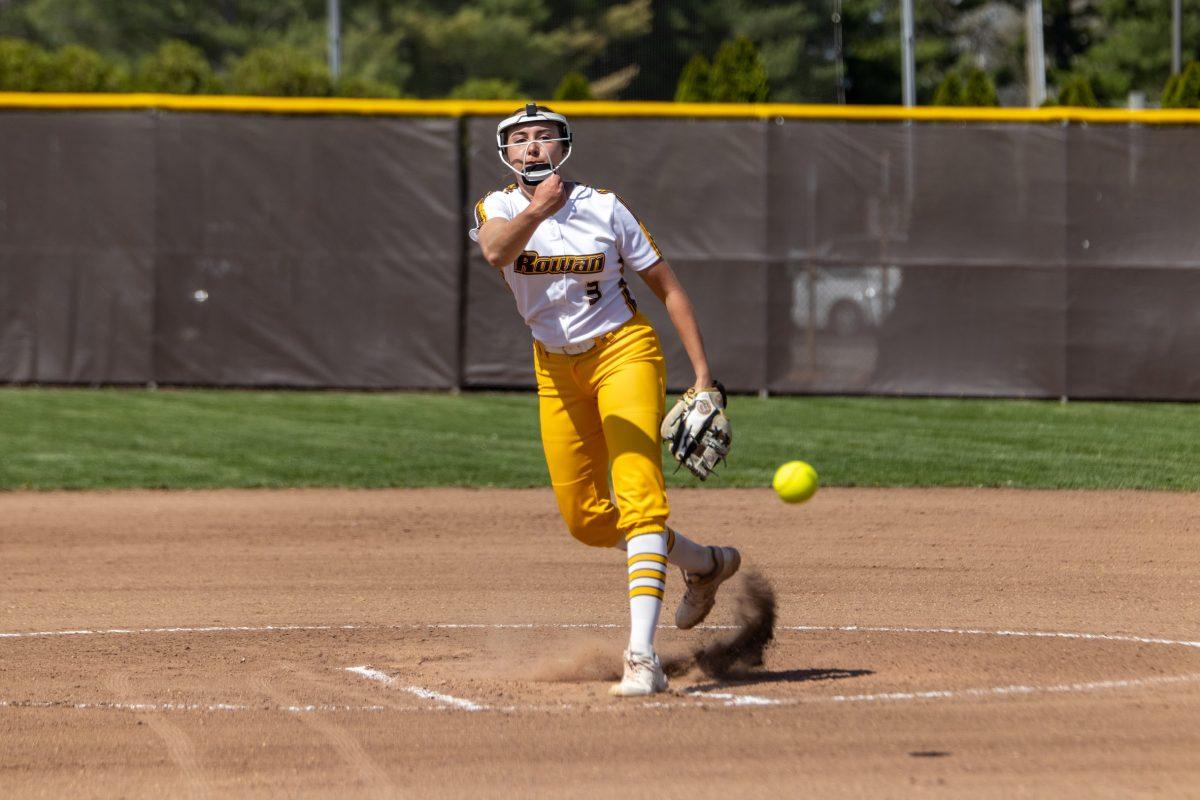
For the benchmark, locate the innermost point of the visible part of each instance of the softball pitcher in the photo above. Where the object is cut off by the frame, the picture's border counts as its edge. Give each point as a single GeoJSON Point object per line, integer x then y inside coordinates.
{"type": "Point", "coordinates": [563, 249]}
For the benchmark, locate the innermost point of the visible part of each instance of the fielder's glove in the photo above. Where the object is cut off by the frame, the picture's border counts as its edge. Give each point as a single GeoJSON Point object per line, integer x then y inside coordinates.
{"type": "Point", "coordinates": [697, 431]}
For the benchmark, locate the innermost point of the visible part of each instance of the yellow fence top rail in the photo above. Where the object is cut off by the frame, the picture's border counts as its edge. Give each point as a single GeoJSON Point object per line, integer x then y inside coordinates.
{"type": "Point", "coordinates": [497, 108]}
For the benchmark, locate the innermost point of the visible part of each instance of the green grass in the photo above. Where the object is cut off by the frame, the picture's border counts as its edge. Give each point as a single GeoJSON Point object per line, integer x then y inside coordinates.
{"type": "Point", "coordinates": [113, 438]}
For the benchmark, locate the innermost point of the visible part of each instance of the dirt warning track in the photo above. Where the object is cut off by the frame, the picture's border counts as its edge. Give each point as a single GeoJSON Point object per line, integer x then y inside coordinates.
{"type": "Point", "coordinates": [457, 642]}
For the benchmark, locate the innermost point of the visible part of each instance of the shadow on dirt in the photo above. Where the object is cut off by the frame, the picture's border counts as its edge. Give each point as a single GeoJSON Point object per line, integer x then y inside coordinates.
{"type": "Point", "coordinates": [760, 677]}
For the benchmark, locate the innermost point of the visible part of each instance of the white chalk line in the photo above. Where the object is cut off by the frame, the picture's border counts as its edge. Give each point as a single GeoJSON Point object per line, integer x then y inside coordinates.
{"type": "Point", "coordinates": [1107, 637]}
{"type": "Point", "coordinates": [106, 706]}
{"type": "Point", "coordinates": [427, 694]}
{"type": "Point", "coordinates": [725, 699]}
{"type": "Point", "coordinates": [199, 629]}
{"type": "Point", "coordinates": [731, 700]}
{"type": "Point", "coordinates": [446, 702]}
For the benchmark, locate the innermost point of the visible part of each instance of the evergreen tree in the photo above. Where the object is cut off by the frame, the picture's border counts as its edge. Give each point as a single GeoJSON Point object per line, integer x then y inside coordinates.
{"type": "Point", "coordinates": [979, 90]}
{"type": "Point", "coordinates": [573, 86]}
{"type": "Point", "coordinates": [738, 75]}
{"type": "Point", "coordinates": [427, 47]}
{"type": "Point", "coordinates": [1077, 91]}
{"type": "Point", "coordinates": [1186, 91]}
{"type": "Point", "coordinates": [1131, 47]}
{"type": "Point", "coordinates": [694, 86]}
{"type": "Point", "coordinates": [793, 41]}
{"type": "Point", "coordinates": [950, 91]}
{"type": "Point", "coordinates": [523, 43]}
{"type": "Point", "coordinates": [1170, 93]}
{"type": "Point", "coordinates": [871, 31]}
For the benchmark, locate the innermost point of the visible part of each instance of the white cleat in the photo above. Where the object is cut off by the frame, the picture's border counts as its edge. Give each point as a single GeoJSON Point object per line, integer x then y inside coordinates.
{"type": "Point", "coordinates": [701, 592]}
{"type": "Point", "coordinates": [643, 676]}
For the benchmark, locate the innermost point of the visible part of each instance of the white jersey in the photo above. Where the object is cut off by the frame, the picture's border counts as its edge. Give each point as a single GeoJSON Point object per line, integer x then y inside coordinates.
{"type": "Point", "coordinates": [569, 282]}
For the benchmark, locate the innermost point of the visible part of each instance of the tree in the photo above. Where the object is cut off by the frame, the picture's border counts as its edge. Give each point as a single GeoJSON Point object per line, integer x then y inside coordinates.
{"type": "Point", "coordinates": [1071, 26]}
{"type": "Point", "coordinates": [1131, 50]}
{"type": "Point", "coordinates": [1077, 91]}
{"type": "Point", "coordinates": [738, 75]}
{"type": "Point", "coordinates": [793, 40]}
{"type": "Point", "coordinates": [526, 43]}
{"type": "Point", "coordinates": [872, 51]}
{"type": "Point", "coordinates": [371, 47]}
{"type": "Point", "coordinates": [573, 86]}
{"type": "Point", "coordinates": [75, 68]}
{"type": "Point", "coordinates": [693, 86]}
{"type": "Point", "coordinates": [1183, 90]}
{"type": "Point", "coordinates": [175, 68]}
{"type": "Point", "coordinates": [359, 86]}
{"type": "Point", "coordinates": [486, 89]}
{"type": "Point", "coordinates": [279, 70]}
{"type": "Point", "coordinates": [134, 28]}
{"type": "Point", "coordinates": [428, 47]}
{"type": "Point", "coordinates": [950, 91]}
{"type": "Point", "coordinates": [979, 90]}
{"type": "Point", "coordinates": [1170, 93]}
{"type": "Point", "coordinates": [21, 65]}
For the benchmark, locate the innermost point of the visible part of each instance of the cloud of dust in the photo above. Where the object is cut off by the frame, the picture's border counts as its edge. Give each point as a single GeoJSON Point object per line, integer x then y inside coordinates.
{"type": "Point", "coordinates": [580, 660]}
{"type": "Point", "coordinates": [598, 657]}
{"type": "Point", "coordinates": [592, 659]}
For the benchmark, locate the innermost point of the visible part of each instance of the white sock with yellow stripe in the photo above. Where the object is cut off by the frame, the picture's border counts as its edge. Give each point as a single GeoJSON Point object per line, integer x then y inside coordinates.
{"type": "Point", "coordinates": [647, 560]}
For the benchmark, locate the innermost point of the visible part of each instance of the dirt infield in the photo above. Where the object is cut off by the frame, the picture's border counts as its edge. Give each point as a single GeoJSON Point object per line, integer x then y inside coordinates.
{"type": "Point", "coordinates": [458, 643]}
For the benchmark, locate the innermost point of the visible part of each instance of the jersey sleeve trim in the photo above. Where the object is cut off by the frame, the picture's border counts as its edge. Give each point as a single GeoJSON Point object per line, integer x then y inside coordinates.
{"type": "Point", "coordinates": [498, 210]}
{"type": "Point", "coordinates": [480, 213]}
{"type": "Point", "coordinates": [642, 225]}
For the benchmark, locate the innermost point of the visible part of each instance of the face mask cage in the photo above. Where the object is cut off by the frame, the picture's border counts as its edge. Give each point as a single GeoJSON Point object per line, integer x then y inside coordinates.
{"type": "Point", "coordinates": [538, 172]}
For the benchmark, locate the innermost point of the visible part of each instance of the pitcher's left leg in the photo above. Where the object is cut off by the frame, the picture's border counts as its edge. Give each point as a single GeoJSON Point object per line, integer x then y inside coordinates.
{"type": "Point", "coordinates": [630, 400]}
{"type": "Point", "coordinates": [631, 407]}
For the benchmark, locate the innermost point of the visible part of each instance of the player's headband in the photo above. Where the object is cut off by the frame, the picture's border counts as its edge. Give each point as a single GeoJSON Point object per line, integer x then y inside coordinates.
{"type": "Point", "coordinates": [533, 174]}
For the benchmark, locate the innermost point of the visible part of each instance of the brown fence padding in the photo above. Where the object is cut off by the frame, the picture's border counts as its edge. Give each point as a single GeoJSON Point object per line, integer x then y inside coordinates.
{"type": "Point", "coordinates": [229, 250]}
{"type": "Point", "coordinates": [76, 247]}
{"type": "Point", "coordinates": [989, 259]}
{"type": "Point", "coordinates": [327, 250]}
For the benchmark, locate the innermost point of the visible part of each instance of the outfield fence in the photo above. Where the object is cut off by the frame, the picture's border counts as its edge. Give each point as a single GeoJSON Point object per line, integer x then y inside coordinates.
{"type": "Point", "coordinates": [321, 243]}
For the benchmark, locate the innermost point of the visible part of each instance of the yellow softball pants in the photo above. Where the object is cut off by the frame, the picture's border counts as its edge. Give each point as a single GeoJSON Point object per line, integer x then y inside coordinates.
{"type": "Point", "coordinates": [600, 412]}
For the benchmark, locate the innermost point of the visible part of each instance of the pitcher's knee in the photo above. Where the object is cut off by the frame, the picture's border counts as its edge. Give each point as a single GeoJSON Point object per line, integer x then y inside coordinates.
{"type": "Point", "coordinates": [595, 529]}
{"type": "Point", "coordinates": [639, 527]}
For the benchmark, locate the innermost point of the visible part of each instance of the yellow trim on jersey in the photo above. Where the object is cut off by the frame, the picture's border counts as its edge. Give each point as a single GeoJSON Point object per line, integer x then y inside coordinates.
{"type": "Point", "coordinates": [657, 575]}
{"type": "Point", "coordinates": [641, 225]}
{"type": "Point", "coordinates": [480, 212]}
{"type": "Point", "coordinates": [640, 591]}
{"type": "Point", "coordinates": [646, 557]}
{"type": "Point", "coordinates": [498, 108]}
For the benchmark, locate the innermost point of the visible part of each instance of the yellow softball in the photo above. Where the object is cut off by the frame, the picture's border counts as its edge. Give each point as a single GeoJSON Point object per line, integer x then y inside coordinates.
{"type": "Point", "coordinates": [795, 482]}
